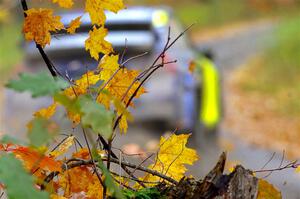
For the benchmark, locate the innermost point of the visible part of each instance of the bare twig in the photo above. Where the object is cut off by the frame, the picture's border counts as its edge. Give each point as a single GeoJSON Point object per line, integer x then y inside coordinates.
{"type": "Point", "coordinates": [129, 178]}
{"type": "Point", "coordinates": [124, 51]}
{"type": "Point", "coordinates": [141, 163]}
{"type": "Point", "coordinates": [92, 159]}
{"type": "Point", "coordinates": [81, 162]}
{"type": "Point", "coordinates": [132, 58]}
{"type": "Point", "coordinates": [105, 147]}
{"type": "Point", "coordinates": [271, 158]}
{"type": "Point", "coordinates": [74, 162]}
{"type": "Point", "coordinates": [290, 165]}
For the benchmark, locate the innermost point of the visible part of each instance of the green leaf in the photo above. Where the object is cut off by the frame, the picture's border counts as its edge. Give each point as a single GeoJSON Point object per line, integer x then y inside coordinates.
{"type": "Point", "coordinates": [7, 139]}
{"type": "Point", "coordinates": [96, 116]}
{"type": "Point", "coordinates": [148, 193]}
{"type": "Point", "coordinates": [70, 104]}
{"type": "Point", "coordinates": [41, 131]}
{"type": "Point", "coordinates": [40, 84]}
{"type": "Point", "coordinates": [108, 180]}
{"type": "Point", "coordinates": [18, 183]}
{"type": "Point", "coordinates": [128, 193]}
{"type": "Point", "coordinates": [145, 193]}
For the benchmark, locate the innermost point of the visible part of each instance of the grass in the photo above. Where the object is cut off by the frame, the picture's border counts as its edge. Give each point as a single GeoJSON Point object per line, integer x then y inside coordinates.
{"type": "Point", "coordinates": [10, 48]}
{"type": "Point", "coordinates": [277, 72]}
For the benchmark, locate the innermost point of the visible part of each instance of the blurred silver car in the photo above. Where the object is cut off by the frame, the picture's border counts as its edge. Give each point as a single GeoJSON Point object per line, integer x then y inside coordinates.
{"type": "Point", "coordinates": [172, 90]}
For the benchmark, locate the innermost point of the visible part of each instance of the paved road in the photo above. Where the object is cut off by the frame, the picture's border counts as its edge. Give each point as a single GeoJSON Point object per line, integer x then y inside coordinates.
{"type": "Point", "coordinates": [231, 51]}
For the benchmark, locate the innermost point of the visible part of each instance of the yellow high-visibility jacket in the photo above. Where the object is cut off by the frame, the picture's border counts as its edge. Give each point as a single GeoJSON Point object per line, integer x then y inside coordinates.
{"type": "Point", "coordinates": [210, 109]}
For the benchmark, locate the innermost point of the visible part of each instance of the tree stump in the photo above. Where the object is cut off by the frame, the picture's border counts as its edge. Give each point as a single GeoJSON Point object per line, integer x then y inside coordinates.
{"type": "Point", "coordinates": [239, 184]}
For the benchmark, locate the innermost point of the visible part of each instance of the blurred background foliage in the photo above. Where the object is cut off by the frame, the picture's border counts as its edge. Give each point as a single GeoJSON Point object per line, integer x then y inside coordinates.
{"type": "Point", "coordinates": [277, 71]}
{"type": "Point", "coordinates": [10, 38]}
{"type": "Point", "coordinates": [220, 12]}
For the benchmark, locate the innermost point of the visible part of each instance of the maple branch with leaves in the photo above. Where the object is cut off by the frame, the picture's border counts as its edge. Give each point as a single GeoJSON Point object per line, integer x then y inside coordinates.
{"type": "Point", "coordinates": [97, 103]}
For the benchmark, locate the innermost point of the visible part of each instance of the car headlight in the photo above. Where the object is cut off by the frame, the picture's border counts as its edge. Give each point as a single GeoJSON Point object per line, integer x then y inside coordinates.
{"type": "Point", "coordinates": [160, 18]}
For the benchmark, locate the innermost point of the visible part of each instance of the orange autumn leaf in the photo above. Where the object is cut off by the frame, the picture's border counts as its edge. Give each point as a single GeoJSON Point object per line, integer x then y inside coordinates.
{"type": "Point", "coordinates": [80, 180]}
{"type": "Point", "coordinates": [64, 3]}
{"type": "Point", "coordinates": [32, 159]}
{"type": "Point", "coordinates": [96, 43]}
{"type": "Point", "coordinates": [83, 153]}
{"type": "Point", "coordinates": [6, 147]}
{"type": "Point", "coordinates": [38, 25]}
{"type": "Point", "coordinates": [96, 8]}
{"type": "Point", "coordinates": [192, 67]}
{"type": "Point", "coordinates": [74, 24]}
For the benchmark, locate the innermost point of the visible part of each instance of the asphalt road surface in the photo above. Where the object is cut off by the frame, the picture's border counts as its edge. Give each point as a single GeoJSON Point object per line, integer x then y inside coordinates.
{"type": "Point", "coordinates": [231, 51]}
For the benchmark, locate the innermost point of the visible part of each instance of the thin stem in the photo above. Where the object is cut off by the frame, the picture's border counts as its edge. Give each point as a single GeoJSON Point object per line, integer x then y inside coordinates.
{"type": "Point", "coordinates": [91, 155]}
{"type": "Point", "coordinates": [105, 147]}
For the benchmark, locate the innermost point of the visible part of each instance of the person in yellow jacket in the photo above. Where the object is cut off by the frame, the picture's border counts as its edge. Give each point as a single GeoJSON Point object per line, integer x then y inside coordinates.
{"type": "Point", "coordinates": [210, 94]}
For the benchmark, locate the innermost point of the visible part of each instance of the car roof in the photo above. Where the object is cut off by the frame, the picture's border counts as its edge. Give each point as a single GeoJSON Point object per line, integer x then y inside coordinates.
{"type": "Point", "coordinates": [136, 15]}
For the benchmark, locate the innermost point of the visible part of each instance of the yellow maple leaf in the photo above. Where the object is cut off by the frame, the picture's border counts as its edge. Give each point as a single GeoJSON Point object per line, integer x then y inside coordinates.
{"type": "Point", "coordinates": [64, 3]}
{"type": "Point", "coordinates": [108, 66]}
{"type": "Point", "coordinates": [120, 89]}
{"type": "Point", "coordinates": [121, 110]}
{"type": "Point", "coordinates": [121, 86]}
{"type": "Point", "coordinates": [74, 117]}
{"type": "Point", "coordinates": [63, 147]}
{"type": "Point", "coordinates": [38, 25]}
{"type": "Point", "coordinates": [96, 8]}
{"type": "Point", "coordinates": [105, 98]}
{"type": "Point", "coordinates": [267, 191]}
{"type": "Point", "coordinates": [46, 112]}
{"type": "Point", "coordinates": [82, 85]}
{"type": "Point", "coordinates": [123, 125]}
{"type": "Point", "coordinates": [96, 43]}
{"type": "Point", "coordinates": [172, 157]}
{"type": "Point", "coordinates": [74, 24]}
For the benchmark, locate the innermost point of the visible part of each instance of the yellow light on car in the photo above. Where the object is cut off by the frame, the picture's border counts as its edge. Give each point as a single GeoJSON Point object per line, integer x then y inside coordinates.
{"type": "Point", "coordinates": [160, 18]}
